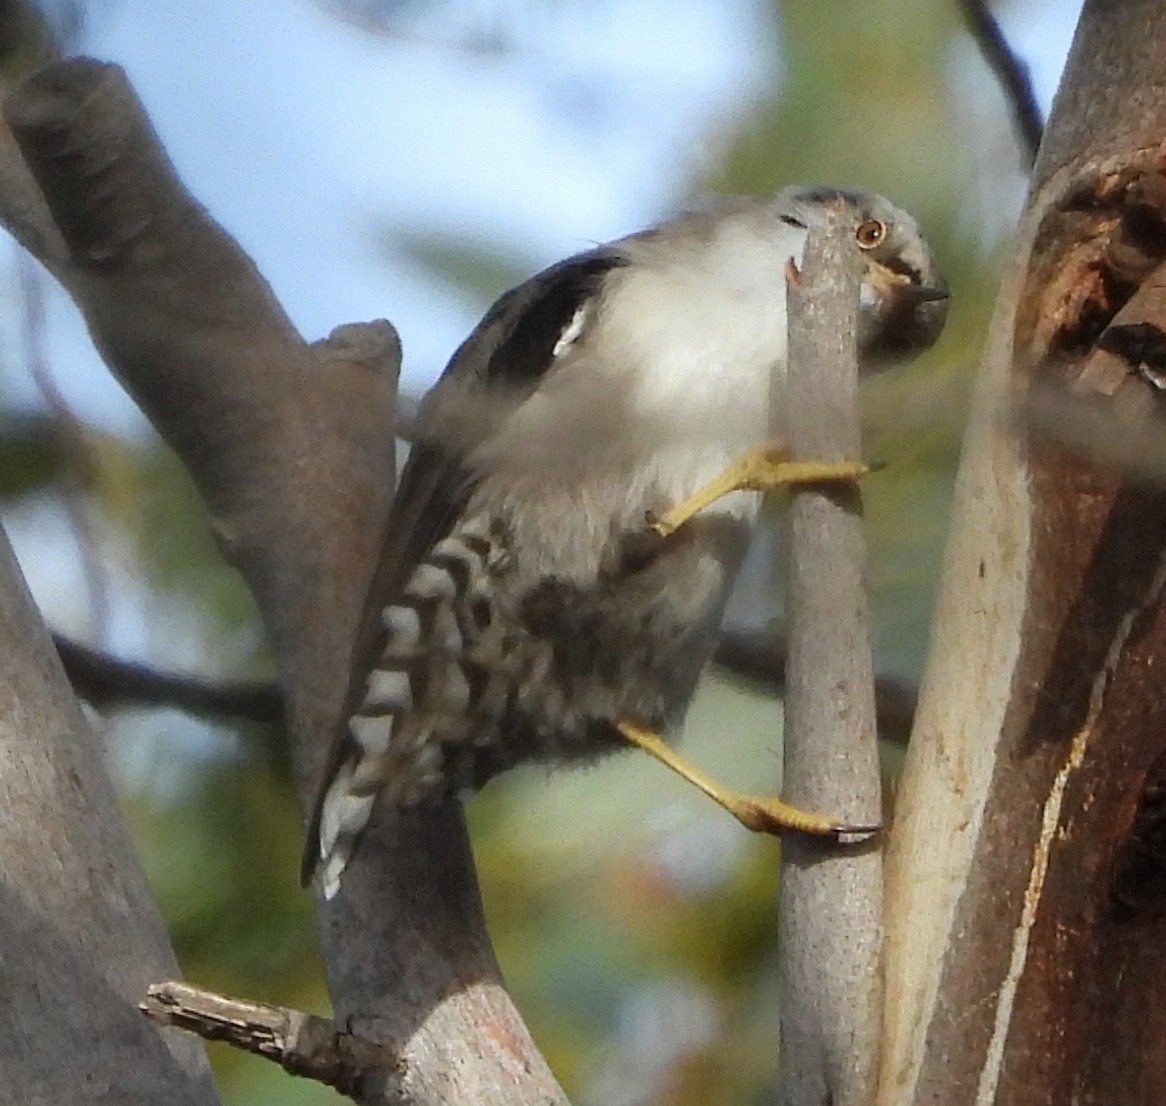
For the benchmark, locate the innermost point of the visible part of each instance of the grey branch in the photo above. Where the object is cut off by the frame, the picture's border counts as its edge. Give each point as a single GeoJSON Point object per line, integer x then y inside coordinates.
{"type": "Point", "coordinates": [82, 937]}
{"type": "Point", "coordinates": [1011, 72]}
{"type": "Point", "coordinates": [292, 448]}
{"type": "Point", "coordinates": [302, 1044]}
{"type": "Point", "coordinates": [104, 680]}
{"type": "Point", "coordinates": [831, 902]}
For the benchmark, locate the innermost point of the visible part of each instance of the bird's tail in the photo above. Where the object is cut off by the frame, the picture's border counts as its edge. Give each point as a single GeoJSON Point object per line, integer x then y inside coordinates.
{"type": "Point", "coordinates": [340, 817]}
{"type": "Point", "coordinates": [417, 697]}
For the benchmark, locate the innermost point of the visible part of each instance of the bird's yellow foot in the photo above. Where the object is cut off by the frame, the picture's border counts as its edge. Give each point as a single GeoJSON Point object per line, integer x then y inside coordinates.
{"type": "Point", "coordinates": [758, 814]}
{"type": "Point", "coordinates": [761, 470]}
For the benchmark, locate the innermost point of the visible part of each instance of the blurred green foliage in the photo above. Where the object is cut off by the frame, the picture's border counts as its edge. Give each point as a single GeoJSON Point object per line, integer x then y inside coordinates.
{"type": "Point", "coordinates": [31, 457]}
{"type": "Point", "coordinates": [635, 925]}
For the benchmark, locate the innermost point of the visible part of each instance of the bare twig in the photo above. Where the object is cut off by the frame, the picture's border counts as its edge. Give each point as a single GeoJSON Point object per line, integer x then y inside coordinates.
{"type": "Point", "coordinates": [1011, 72]}
{"type": "Point", "coordinates": [106, 681]}
{"type": "Point", "coordinates": [760, 658]}
{"type": "Point", "coordinates": [831, 902]}
{"type": "Point", "coordinates": [302, 1044]}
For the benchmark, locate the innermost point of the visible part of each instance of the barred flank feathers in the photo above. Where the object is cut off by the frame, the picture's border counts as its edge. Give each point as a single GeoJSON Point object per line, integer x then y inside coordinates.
{"type": "Point", "coordinates": [388, 749]}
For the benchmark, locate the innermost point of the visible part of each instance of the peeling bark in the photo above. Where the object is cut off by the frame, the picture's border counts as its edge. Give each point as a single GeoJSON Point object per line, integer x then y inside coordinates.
{"type": "Point", "coordinates": [1025, 955]}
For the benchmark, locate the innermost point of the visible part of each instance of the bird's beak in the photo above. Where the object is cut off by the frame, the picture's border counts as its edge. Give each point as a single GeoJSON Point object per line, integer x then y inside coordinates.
{"type": "Point", "coordinates": [913, 314]}
{"type": "Point", "coordinates": [898, 288]}
{"type": "Point", "coordinates": [922, 293]}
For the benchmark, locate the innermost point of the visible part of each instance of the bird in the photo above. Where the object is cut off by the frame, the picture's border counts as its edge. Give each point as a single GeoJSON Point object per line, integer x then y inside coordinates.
{"type": "Point", "coordinates": [575, 507]}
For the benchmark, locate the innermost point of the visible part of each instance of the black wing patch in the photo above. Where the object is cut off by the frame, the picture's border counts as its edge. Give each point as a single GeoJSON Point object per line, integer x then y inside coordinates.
{"type": "Point", "coordinates": [515, 341]}
{"type": "Point", "coordinates": [511, 348]}
{"type": "Point", "coordinates": [526, 352]}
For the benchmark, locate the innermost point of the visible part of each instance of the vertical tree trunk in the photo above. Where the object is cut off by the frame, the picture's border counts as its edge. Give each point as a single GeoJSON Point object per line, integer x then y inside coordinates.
{"type": "Point", "coordinates": [1026, 921]}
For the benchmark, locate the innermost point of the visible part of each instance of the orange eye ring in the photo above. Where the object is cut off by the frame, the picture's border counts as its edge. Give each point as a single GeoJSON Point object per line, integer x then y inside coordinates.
{"type": "Point", "coordinates": [870, 234]}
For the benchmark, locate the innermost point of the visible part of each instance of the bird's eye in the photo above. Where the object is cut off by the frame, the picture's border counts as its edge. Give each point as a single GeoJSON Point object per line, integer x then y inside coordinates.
{"type": "Point", "coordinates": [870, 234]}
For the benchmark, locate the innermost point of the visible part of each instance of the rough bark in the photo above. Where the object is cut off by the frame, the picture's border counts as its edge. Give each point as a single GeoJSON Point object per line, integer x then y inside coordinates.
{"type": "Point", "coordinates": [831, 894]}
{"type": "Point", "coordinates": [292, 448]}
{"type": "Point", "coordinates": [1026, 927]}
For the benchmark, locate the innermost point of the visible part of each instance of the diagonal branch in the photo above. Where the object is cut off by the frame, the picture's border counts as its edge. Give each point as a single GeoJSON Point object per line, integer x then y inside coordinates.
{"type": "Point", "coordinates": [1010, 71]}
{"type": "Point", "coordinates": [292, 448]}
{"type": "Point", "coordinates": [302, 1044]}
{"type": "Point", "coordinates": [106, 681]}
{"type": "Point", "coordinates": [759, 658]}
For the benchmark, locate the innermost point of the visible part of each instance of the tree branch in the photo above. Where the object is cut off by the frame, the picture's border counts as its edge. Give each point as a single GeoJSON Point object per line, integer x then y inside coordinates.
{"type": "Point", "coordinates": [1024, 889]}
{"type": "Point", "coordinates": [105, 681]}
{"type": "Point", "coordinates": [292, 448]}
{"type": "Point", "coordinates": [1012, 74]}
{"type": "Point", "coordinates": [760, 660]}
{"type": "Point", "coordinates": [831, 900]}
{"type": "Point", "coordinates": [24, 213]}
{"type": "Point", "coordinates": [302, 1044]}
{"type": "Point", "coordinates": [82, 937]}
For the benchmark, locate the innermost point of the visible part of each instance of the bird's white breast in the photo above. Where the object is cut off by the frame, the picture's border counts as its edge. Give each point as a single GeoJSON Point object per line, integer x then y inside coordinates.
{"type": "Point", "coordinates": [673, 364]}
{"type": "Point", "coordinates": [661, 382]}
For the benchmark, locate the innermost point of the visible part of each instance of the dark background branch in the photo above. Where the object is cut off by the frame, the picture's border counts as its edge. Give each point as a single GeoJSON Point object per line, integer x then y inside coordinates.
{"type": "Point", "coordinates": [106, 681]}
{"type": "Point", "coordinates": [759, 658]}
{"type": "Point", "coordinates": [1010, 71]}
{"type": "Point", "coordinates": [755, 658]}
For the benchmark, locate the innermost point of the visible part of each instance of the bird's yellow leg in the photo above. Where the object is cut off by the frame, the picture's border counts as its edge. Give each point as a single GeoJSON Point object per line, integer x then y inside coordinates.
{"type": "Point", "coordinates": [758, 814]}
{"type": "Point", "coordinates": [760, 470]}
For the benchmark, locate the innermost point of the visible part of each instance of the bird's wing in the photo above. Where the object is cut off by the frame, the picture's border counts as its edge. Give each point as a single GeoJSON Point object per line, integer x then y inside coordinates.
{"type": "Point", "coordinates": [493, 371]}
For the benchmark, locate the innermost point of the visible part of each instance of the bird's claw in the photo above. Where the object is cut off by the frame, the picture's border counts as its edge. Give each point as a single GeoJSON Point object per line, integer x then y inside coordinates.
{"type": "Point", "coordinates": [660, 527]}
{"type": "Point", "coordinates": [858, 829]}
{"type": "Point", "coordinates": [774, 816]}
{"type": "Point", "coordinates": [762, 815]}
{"type": "Point", "coordinates": [761, 470]}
